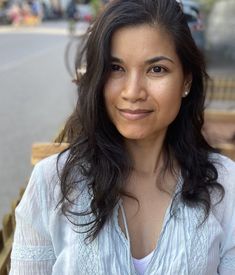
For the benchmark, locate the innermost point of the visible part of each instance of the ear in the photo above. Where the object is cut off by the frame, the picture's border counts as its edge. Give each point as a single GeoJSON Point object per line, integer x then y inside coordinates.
{"type": "Point", "coordinates": [187, 84]}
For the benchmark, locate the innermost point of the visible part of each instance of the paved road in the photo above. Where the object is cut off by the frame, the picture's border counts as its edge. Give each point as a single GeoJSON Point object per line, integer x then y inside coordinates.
{"type": "Point", "coordinates": [36, 97]}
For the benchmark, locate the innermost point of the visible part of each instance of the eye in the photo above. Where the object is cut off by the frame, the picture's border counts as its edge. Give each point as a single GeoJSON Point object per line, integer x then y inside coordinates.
{"type": "Point", "coordinates": [116, 68]}
{"type": "Point", "coordinates": [157, 69]}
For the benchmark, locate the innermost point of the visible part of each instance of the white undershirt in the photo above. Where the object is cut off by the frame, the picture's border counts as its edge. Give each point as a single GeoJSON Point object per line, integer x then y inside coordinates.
{"type": "Point", "coordinates": [141, 264]}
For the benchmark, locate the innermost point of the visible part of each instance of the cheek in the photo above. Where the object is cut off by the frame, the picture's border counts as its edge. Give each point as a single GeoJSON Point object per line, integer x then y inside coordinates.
{"type": "Point", "coordinates": [171, 102]}
{"type": "Point", "coordinates": [168, 98]}
{"type": "Point", "coordinates": [171, 86]}
{"type": "Point", "coordinates": [171, 107]}
{"type": "Point", "coordinates": [111, 92]}
{"type": "Point", "coordinates": [109, 98]}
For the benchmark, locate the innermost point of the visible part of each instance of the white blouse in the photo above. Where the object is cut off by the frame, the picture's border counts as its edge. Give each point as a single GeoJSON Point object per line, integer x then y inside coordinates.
{"type": "Point", "coordinates": [46, 243]}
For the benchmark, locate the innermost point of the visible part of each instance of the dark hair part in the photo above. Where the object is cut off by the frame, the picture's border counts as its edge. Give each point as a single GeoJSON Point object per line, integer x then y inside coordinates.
{"type": "Point", "coordinates": [96, 151]}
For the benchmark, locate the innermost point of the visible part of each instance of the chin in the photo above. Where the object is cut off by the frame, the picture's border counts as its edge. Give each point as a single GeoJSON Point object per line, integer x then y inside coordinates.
{"type": "Point", "coordinates": [133, 136]}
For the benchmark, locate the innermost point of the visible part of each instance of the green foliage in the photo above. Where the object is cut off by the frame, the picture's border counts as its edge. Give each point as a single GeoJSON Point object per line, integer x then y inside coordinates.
{"type": "Point", "coordinates": [96, 5]}
{"type": "Point", "coordinates": [207, 4]}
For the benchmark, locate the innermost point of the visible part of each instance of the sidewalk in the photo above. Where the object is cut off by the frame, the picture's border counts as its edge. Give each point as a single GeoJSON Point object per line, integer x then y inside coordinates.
{"type": "Point", "coordinates": [47, 28]}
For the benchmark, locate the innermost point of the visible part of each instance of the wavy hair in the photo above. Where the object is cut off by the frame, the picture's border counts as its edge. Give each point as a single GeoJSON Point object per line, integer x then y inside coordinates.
{"type": "Point", "coordinates": [96, 151]}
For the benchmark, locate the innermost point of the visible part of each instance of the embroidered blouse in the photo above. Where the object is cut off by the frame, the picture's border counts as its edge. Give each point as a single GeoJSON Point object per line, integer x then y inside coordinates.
{"type": "Point", "coordinates": [46, 243]}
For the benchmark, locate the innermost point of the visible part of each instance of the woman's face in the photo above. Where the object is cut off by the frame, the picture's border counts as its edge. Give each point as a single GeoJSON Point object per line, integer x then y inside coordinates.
{"type": "Point", "coordinates": [146, 83]}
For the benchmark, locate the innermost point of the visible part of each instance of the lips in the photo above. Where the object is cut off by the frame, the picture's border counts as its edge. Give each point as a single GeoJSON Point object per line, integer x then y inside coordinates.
{"type": "Point", "coordinates": [134, 114]}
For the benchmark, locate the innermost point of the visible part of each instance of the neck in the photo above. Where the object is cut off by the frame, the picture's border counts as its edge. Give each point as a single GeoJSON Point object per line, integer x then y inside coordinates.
{"type": "Point", "coordinates": [147, 156]}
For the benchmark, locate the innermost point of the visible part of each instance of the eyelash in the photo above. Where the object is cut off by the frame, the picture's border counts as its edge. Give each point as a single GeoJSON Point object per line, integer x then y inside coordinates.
{"type": "Point", "coordinates": [162, 69]}
{"type": "Point", "coordinates": [117, 68]}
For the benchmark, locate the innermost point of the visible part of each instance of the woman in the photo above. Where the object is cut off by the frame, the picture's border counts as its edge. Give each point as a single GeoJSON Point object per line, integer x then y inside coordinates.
{"type": "Point", "coordinates": [139, 191]}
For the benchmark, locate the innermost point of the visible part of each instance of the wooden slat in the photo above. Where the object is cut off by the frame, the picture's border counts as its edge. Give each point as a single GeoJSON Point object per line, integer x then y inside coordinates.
{"type": "Point", "coordinates": [221, 89]}
{"type": "Point", "coordinates": [220, 115]}
{"type": "Point", "coordinates": [13, 207]}
{"type": "Point", "coordinates": [219, 126]}
{"type": "Point", "coordinates": [7, 229]}
{"type": "Point", "coordinates": [7, 238]}
{"type": "Point", "coordinates": [1, 241]}
{"type": "Point", "coordinates": [43, 150]}
{"type": "Point", "coordinates": [22, 189]}
{"type": "Point", "coordinates": [227, 149]}
{"type": "Point", "coordinates": [5, 256]}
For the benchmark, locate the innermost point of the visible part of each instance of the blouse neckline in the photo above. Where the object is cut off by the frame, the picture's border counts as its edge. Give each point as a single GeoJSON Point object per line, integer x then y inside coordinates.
{"type": "Point", "coordinates": [126, 239]}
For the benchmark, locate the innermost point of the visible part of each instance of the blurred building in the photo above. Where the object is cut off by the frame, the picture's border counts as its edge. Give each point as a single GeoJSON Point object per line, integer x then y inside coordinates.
{"type": "Point", "coordinates": [221, 30]}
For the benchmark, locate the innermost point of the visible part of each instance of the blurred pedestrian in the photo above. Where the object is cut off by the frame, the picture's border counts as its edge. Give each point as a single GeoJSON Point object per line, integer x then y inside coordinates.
{"type": "Point", "coordinates": [36, 8]}
{"type": "Point", "coordinates": [15, 14]}
{"type": "Point", "coordinates": [71, 10]}
{"type": "Point", "coordinates": [139, 190]}
{"type": "Point", "coordinates": [72, 15]}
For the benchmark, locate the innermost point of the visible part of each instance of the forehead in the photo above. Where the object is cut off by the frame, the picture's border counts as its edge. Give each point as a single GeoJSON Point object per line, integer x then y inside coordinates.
{"type": "Point", "coordinates": [142, 41]}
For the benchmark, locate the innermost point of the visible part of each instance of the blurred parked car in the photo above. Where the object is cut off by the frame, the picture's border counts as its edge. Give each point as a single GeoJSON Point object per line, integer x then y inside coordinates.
{"type": "Point", "coordinates": [85, 12]}
{"type": "Point", "coordinates": [194, 18]}
{"type": "Point", "coordinates": [51, 11]}
{"type": "Point", "coordinates": [79, 11]}
{"type": "Point", "coordinates": [4, 18]}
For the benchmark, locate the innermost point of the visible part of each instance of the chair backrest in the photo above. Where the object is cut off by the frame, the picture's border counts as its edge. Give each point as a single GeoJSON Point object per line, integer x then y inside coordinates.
{"type": "Point", "coordinates": [222, 89]}
{"type": "Point", "coordinates": [220, 115]}
{"type": "Point", "coordinates": [43, 150]}
{"type": "Point", "coordinates": [219, 128]}
{"type": "Point", "coordinates": [227, 149]}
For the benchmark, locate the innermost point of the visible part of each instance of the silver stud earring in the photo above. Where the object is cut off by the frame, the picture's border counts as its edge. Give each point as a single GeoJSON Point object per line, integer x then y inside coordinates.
{"type": "Point", "coordinates": [186, 93]}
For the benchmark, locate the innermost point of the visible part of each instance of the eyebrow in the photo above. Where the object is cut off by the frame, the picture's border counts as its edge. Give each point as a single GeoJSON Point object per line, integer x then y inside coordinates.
{"type": "Point", "coordinates": [148, 61]}
{"type": "Point", "coordinates": [157, 59]}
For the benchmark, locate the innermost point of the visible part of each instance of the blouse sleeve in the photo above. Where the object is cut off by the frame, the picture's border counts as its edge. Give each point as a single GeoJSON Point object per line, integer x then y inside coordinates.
{"type": "Point", "coordinates": [32, 252]}
{"type": "Point", "coordinates": [227, 261]}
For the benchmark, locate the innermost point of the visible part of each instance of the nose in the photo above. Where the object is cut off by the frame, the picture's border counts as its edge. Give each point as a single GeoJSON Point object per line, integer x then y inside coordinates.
{"type": "Point", "coordinates": [134, 89]}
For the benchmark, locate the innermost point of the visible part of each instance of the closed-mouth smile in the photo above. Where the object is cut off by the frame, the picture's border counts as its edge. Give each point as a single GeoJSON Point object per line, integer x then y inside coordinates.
{"type": "Point", "coordinates": [134, 114]}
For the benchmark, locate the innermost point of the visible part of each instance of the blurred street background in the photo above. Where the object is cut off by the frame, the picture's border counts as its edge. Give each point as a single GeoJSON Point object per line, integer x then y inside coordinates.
{"type": "Point", "coordinates": [36, 91]}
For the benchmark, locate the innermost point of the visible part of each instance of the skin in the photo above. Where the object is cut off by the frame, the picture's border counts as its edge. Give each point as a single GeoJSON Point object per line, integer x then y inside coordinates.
{"type": "Point", "coordinates": [143, 95]}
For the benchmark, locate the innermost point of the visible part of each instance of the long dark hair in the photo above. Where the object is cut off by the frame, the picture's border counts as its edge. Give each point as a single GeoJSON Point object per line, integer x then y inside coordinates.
{"type": "Point", "coordinates": [96, 152]}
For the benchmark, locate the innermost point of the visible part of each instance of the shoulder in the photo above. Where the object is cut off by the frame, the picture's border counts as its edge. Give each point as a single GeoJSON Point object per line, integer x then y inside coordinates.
{"type": "Point", "coordinates": [39, 195]}
{"type": "Point", "coordinates": [226, 177]}
{"type": "Point", "coordinates": [50, 166]}
{"type": "Point", "coordinates": [48, 173]}
{"type": "Point", "coordinates": [48, 170]}
{"type": "Point", "coordinates": [226, 170]}
{"type": "Point", "coordinates": [44, 181]}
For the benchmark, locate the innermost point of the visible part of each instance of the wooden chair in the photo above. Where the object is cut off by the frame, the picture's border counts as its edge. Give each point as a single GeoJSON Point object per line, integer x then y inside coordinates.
{"type": "Point", "coordinates": [43, 150]}
{"type": "Point", "coordinates": [227, 149]}
{"type": "Point", "coordinates": [39, 151]}
{"type": "Point", "coordinates": [220, 115]}
{"type": "Point", "coordinates": [221, 89]}
{"type": "Point", "coordinates": [6, 236]}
